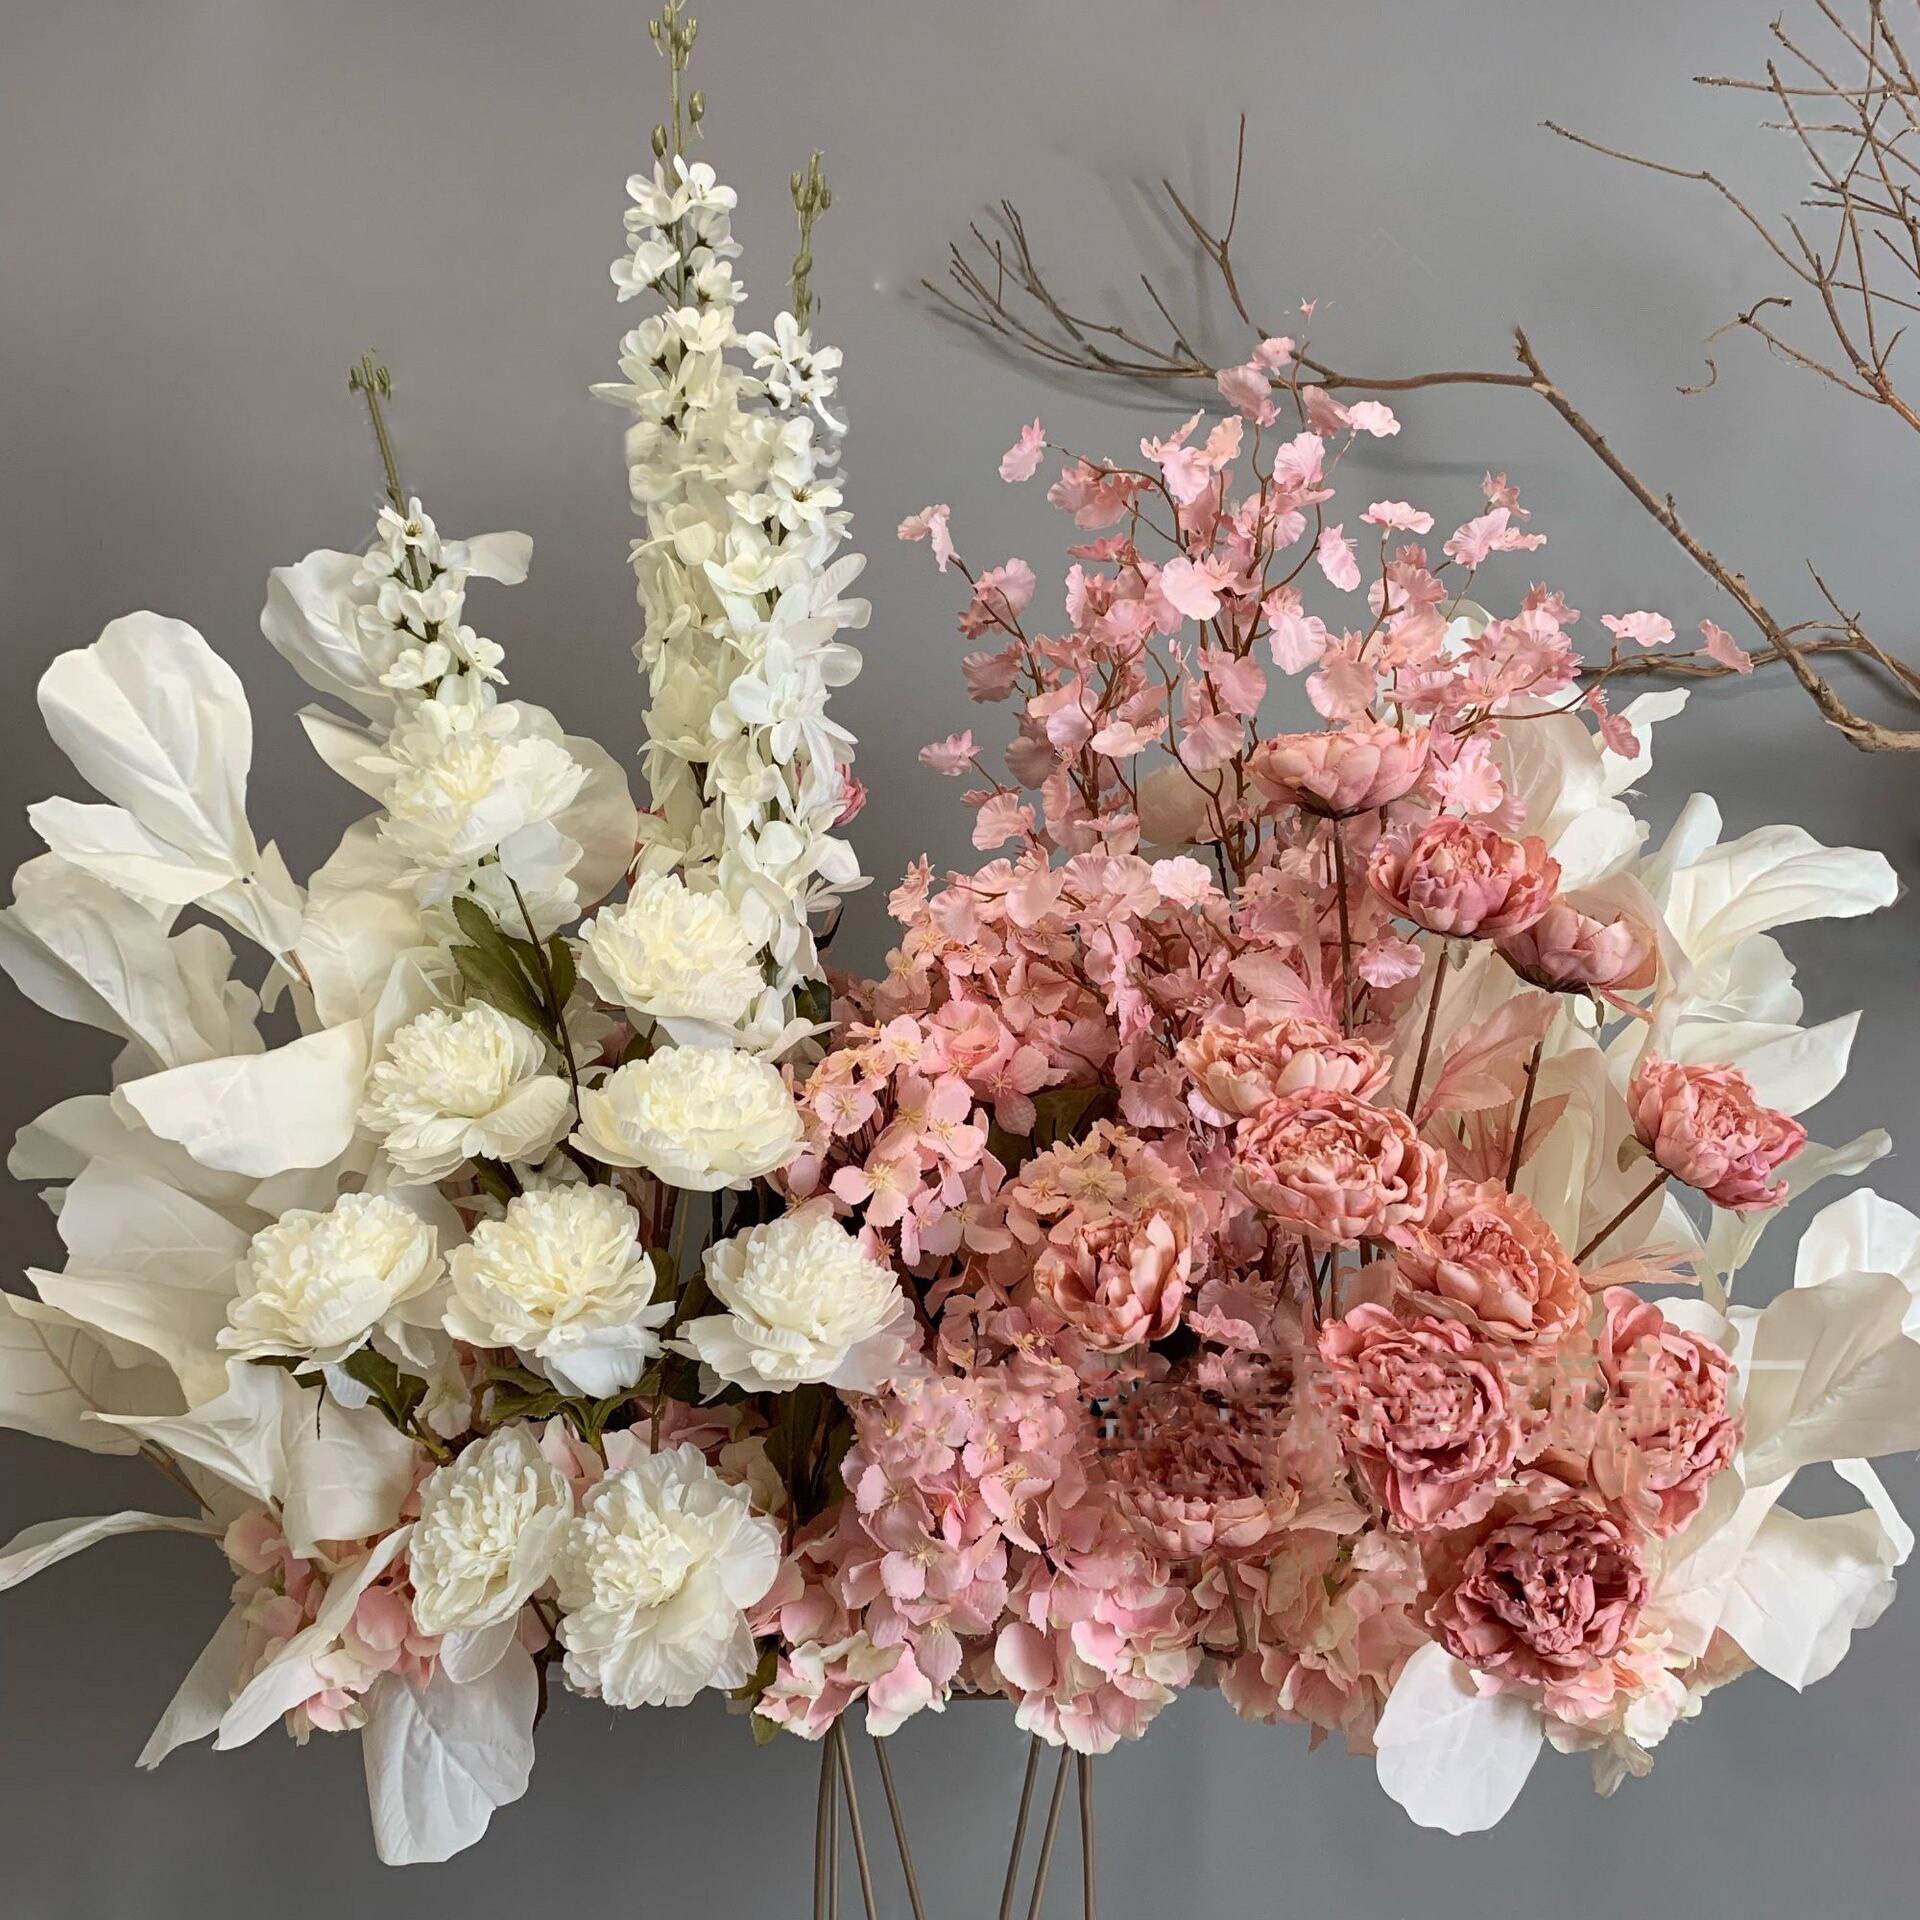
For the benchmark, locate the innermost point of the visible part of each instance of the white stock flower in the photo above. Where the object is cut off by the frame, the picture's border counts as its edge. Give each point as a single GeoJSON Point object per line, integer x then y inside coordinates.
{"type": "Point", "coordinates": [654, 1577]}
{"type": "Point", "coordinates": [564, 1279]}
{"type": "Point", "coordinates": [672, 953]}
{"type": "Point", "coordinates": [463, 1085]}
{"type": "Point", "coordinates": [805, 1303]}
{"type": "Point", "coordinates": [490, 1526]}
{"type": "Point", "coordinates": [697, 1118]}
{"type": "Point", "coordinates": [316, 1285]}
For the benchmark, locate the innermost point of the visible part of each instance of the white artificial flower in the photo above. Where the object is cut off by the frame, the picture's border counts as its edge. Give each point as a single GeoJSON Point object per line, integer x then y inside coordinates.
{"type": "Point", "coordinates": [490, 1526]}
{"type": "Point", "coordinates": [673, 954]}
{"type": "Point", "coordinates": [805, 1303]}
{"type": "Point", "coordinates": [316, 1285]}
{"type": "Point", "coordinates": [654, 1577]}
{"type": "Point", "coordinates": [463, 1085]}
{"type": "Point", "coordinates": [698, 1118]}
{"type": "Point", "coordinates": [564, 1280]}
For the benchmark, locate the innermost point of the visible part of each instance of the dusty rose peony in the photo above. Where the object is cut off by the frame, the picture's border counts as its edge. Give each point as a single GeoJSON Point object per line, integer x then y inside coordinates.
{"type": "Point", "coordinates": [1345, 771]}
{"type": "Point", "coordinates": [1459, 877]}
{"type": "Point", "coordinates": [1544, 1595]}
{"type": "Point", "coordinates": [1424, 1411]}
{"type": "Point", "coordinates": [1703, 1125]}
{"type": "Point", "coordinates": [1335, 1168]}
{"type": "Point", "coordinates": [1243, 1057]}
{"type": "Point", "coordinates": [1199, 1473]}
{"type": "Point", "coordinates": [1570, 951]}
{"type": "Point", "coordinates": [1488, 1259]}
{"type": "Point", "coordinates": [1665, 1431]}
{"type": "Point", "coordinates": [1113, 1233]}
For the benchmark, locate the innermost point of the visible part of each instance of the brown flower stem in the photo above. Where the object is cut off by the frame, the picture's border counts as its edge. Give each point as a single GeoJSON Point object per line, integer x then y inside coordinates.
{"type": "Point", "coordinates": [1632, 1207]}
{"type": "Point", "coordinates": [1051, 1831]}
{"type": "Point", "coordinates": [1518, 1147]}
{"type": "Point", "coordinates": [1020, 1829]}
{"type": "Point", "coordinates": [1089, 1899]}
{"type": "Point", "coordinates": [822, 1833]}
{"type": "Point", "coordinates": [844, 1759]}
{"type": "Point", "coordinates": [1346, 929]}
{"type": "Point", "coordinates": [899, 1829]}
{"type": "Point", "coordinates": [1426, 1033]}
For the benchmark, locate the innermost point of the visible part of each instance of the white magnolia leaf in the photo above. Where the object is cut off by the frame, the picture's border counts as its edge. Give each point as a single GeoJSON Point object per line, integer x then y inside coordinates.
{"type": "Point", "coordinates": [63, 1141]}
{"type": "Point", "coordinates": [237, 1436]}
{"type": "Point", "coordinates": [309, 620]}
{"type": "Point", "coordinates": [34, 1549]}
{"type": "Point", "coordinates": [293, 1106]}
{"type": "Point", "coordinates": [347, 1474]}
{"type": "Point", "coordinates": [1831, 1376]}
{"type": "Point", "coordinates": [1862, 1234]}
{"type": "Point", "coordinates": [1791, 1068]}
{"type": "Point", "coordinates": [194, 1711]}
{"type": "Point", "coordinates": [1696, 1568]}
{"type": "Point", "coordinates": [177, 1324]}
{"type": "Point", "coordinates": [345, 748]}
{"type": "Point", "coordinates": [503, 557]}
{"type": "Point", "coordinates": [1805, 1587]}
{"type": "Point", "coordinates": [1732, 1237]}
{"type": "Point", "coordinates": [601, 819]}
{"type": "Point", "coordinates": [157, 722]}
{"type": "Point", "coordinates": [110, 844]}
{"type": "Point", "coordinates": [442, 1757]}
{"type": "Point", "coordinates": [56, 1375]}
{"type": "Point", "coordinates": [1452, 1756]}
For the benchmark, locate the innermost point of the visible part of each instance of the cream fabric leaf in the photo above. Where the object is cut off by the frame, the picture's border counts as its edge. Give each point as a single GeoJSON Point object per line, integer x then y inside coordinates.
{"type": "Point", "coordinates": [1455, 1758]}
{"type": "Point", "coordinates": [34, 1549]}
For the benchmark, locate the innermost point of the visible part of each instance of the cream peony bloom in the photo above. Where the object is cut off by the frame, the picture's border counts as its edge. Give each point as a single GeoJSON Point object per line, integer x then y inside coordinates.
{"type": "Point", "coordinates": [564, 1280]}
{"type": "Point", "coordinates": [490, 1526]}
{"type": "Point", "coordinates": [316, 1285]}
{"type": "Point", "coordinates": [455, 1086]}
{"type": "Point", "coordinates": [654, 1577]}
{"type": "Point", "coordinates": [672, 953]}
{"type": "Point", "coordinates": [805, 1303]}
{"type": "Point", "coordinates": [697, 1118]}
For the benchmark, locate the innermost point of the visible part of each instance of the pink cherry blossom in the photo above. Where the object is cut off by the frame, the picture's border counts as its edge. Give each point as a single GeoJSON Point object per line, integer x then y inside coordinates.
{"type": "Point", "coordinates": [1022, 460]}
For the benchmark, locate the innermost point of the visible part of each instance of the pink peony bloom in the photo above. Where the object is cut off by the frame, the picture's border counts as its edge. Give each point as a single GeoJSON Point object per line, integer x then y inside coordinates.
{"type": "Point", "coordinates": [1488, 1260]}
{"type": "Point", "coordinates": [1459, 877]}
{"type": "Point", "coordinates": [1425, 1413]}
{"type": "Point", "coordinates": [1242, 1058]}
{"type": "Point", "coordinates": [1547, 1594]}
{"type": "Point", "coordinates": [1336, 1169]}
{"type": "Point", "coordinates": [1114, 1236]}
{"type": "Point", "coordinates": [1341, 771]}
{"type": "Point", "coordinates": [1703, 1125]}
{"type": "Point", "coordinates": [1569, 951]}
{"type": "Point", "coordinates": [1665, 1431]}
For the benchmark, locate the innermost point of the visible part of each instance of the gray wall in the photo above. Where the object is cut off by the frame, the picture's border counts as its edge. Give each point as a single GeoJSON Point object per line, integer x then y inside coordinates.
{"type": "Point", "coordinates": [209, 207]}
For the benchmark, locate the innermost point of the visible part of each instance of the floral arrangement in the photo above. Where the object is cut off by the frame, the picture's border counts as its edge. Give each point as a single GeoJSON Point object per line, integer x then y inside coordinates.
{"type": "Point", "coordinates": [1272, 1225]}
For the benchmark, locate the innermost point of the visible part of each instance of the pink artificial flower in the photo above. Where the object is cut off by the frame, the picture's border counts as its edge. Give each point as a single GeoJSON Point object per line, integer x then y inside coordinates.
{"type": "Point", "coordinates": [1544, 1595]}
{"type": "Point", "coordinates": [1491, 533]}
{"type": "Point", "coordinates": [1460, 878]}
{"type": "Point", "coordinates": [999, 595]}
{"type": "Point", "coordinates": [1665, 1431]}
{"type": "Point", "coordinates": [1487, 1259]}
{"type": "Point", "coordinates": [1330, 1166]}
{"type": "Point", "coordinates": [1114, 1237]}
{"type": "Point", "coordinates": [1723, 647]}
{"type": "Point", "coordinates": [1334, 553]}
{"type": "Point", "coordinates": [1398, 516]}
{"type": "Point", "coordinates": [1643, 629]}
{"type": "Point", "coordinates": [1241, 1059]}
{"type": "Point", "coordinates": [1174, 808]}
{"type": "Point", "coordinates": [1424, 1411]}
{"type": "Point", "coordinates": [1340, 771]}
{"type": "Point", "coordinates": [1570, 951]}
{"type": "Point", "coordinates": [1247, 389]}
{"type": "Point", "coordinates": [931, 524]}
{"type": "Point", "coordinates": [1022, 459]}
{"type": "Point", "coordinates": [1703, 1125]}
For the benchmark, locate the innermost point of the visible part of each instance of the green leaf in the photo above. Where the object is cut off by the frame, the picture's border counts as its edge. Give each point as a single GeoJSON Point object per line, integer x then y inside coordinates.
{"type": "Point", "coordinates": [396, 1394]}
{"type": "Point", "coordinates": [764, 1731]}
{"type": "Point", "coordinates": [565, 973]}
{"type": "Point", "coordinates": [474, 920]}
{"type": "Point", "coordinates": [1060, 1113]}
{"type": "Point", "coordinates": [494, 979]}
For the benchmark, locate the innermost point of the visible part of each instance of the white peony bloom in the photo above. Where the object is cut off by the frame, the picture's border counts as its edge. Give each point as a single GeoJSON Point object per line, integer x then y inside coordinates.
{"type": "Point", "coordinates": [463, 1085]}
{"type": "Point", "coordinates": [490, 1527]}
{"type": "Point", "coordinates": [697, 1118]}
{"type": "Point", "coordinates": [654, 1577]}
{"type": "Point", "coordinates": [562, 1279]}
{"type": "Point", "coordinates": [316, 1285]}
{"type": "Point", "coordinates": [672, 953]}
{"type": "Point", "coordinates": [805, 1302]}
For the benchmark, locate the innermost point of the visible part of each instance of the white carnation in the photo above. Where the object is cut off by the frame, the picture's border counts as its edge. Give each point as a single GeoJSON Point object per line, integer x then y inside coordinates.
{"type": "Point", "coordinates": [804, 1303]}
{"type": "Point", "coordinates": [463, 1085]}
{"type": "Point", "coordinates": [490, 1527]}
{"type": "Point", "coordinates": [562, 1279]}
{"type": "Point", "coordinates": [317, 1284]}
{"type": "Point", "coordinates": [672, 953]}
{"type": "Point", "coordinates": [697, 1118]}
{"type": "Point", "coordinates": [654, 1577]}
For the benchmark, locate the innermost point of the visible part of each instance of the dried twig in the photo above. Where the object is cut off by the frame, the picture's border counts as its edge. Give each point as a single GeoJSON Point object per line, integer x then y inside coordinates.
{"type": "Point", "coordinates": [1865, 180]}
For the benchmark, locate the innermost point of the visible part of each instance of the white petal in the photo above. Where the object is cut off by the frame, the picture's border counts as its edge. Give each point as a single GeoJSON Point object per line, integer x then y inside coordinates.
{"type": "Point", "coordinates": [1454, 1758]}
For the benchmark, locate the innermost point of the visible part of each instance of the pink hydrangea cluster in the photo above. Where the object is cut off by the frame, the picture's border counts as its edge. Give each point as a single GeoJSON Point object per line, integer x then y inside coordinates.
{"type": "Point", "coordinates": [1245, 1358]}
